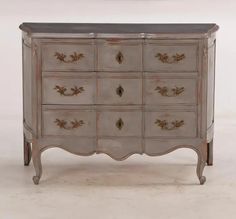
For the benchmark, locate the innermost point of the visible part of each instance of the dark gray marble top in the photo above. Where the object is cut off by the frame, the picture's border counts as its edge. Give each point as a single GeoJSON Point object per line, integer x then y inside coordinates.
{"type": "Point", "coordinates": [117, 28]}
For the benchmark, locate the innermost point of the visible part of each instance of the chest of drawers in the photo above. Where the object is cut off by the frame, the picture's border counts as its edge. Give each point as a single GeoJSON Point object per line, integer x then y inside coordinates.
{"type": "Point", "coordinates": [118, 89]}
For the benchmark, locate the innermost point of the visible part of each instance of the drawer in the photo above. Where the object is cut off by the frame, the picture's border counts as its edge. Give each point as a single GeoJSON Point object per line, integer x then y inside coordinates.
{"type": "Point", "coordinates": [170, 91]}
{"type": "Point", "coordinates": [119, 55]}
{"type": "Point", "coordinates": [119, 91]}
{"type": "Point", "coordinates": [65, 90]}
{"type": "Point", "coordinates": [119, 123]}
{"type": "Point", "coordinates": [58, 122]}
{"type": "Point", "coordinates": [170, 124]}
{"type": "Point", "coordinates": [173, 57]}
{"type": "Point", "coordinates": [68, 57]}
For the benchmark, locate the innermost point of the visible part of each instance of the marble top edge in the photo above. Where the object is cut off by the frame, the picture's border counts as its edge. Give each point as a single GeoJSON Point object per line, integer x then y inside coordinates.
{"type": "Point", "coordinates": [119, 28]}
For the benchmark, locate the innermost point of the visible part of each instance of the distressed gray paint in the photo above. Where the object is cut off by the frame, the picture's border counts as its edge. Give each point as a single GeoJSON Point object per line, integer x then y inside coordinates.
{"type": "Point", "coordinates": [107, 91]}
{"type": "Point", "coordinates": [52, 96]}
{"type": "Point", "coordinates": [27, 77]}
{"type": "Point", "coordinates": [153, 47]}
{"type": "Point", "coordinates": [109, 49]}
{"type": "Point", "coordinates": [153, 96]}
{"type": "Point", "coordinates": [189, 129]}
{"type": "Point", "coordinates": [99, 106]}
{"type": "Point", "coordinates": [88, 129]}
{"type": "Point", "coordinates": [84, 47]}
{"type": "Point", "coordinates": [132, 123]}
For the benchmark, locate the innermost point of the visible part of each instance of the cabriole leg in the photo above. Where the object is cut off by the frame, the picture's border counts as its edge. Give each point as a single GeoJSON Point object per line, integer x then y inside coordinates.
{"type": "Point", "coordinates": [36, 156]}
{"type": "Point", "coordinates": [200, 167]}
{"type": "Point", "coordinates": [27, 152]}
{"type": "Point", "coordinates": [210, 153]}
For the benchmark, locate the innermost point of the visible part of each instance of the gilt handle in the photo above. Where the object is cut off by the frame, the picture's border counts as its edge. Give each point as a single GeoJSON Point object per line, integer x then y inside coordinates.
{"type": "Point", "coordinates": [166, 92]}
{"type": "Point", "coordinates": [164, 58]}
{"type": "Point", "coordinates": [74, 90]}
{"type": "Point", "coordinates": [169, 125]}
{"type": "Point", "coordinates": [73, 124]}
{"type": "Point", "coordinates": [75, 57]}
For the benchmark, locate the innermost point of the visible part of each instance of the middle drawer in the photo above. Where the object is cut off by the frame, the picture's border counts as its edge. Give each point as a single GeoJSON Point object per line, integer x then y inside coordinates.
{"type": "Point", "coordinates": [92, 89]}
{"type": "Point", "coordinates": [69, 90]}
{"type": "Point", "coordinates": [85, 89]}
{"type": "Point", "coordinates": [119, 91]}
{"type": "Point", "coordinates": [161, 90]}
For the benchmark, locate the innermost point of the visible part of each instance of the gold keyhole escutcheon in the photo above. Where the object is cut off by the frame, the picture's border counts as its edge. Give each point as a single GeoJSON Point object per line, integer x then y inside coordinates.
{"type": "Point", "coordinates": [119, 57]}
{"type": "Point", "coordinates": [119, 124]}
{"type": "Point", "coordinates": [119, 91]}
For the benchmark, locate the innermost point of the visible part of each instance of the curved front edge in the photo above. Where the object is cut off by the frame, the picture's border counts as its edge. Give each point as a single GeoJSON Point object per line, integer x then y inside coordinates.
{"type": "Point", "coordinates": [154, 147]}
{"type": "Point", "coordinates": [76, 145]}
{"type": "Point", "coordinates": [79, 146]}
{"type": "Point", "coordinates": [120, 148]}
{"type": "Point", "coordinates": [117, 149]}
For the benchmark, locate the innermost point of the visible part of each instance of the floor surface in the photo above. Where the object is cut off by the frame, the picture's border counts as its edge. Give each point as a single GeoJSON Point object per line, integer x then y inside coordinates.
{"type": "Point", "coordinates": [140, 187]}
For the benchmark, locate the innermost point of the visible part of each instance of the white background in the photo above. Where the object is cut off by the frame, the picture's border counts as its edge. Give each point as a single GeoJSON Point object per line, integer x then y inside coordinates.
{"type": "Point", "coordinates": [97, 187]}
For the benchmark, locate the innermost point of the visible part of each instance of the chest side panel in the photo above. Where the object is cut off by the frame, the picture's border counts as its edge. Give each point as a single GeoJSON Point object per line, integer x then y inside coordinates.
{"type": "Point", "coordinates": [211, 83]}
{"type": "Point", "coordinates": [27, 83]}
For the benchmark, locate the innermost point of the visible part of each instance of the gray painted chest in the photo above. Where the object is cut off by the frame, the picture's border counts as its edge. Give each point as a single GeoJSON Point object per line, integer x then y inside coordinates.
{"type": "Point", "coordinates": [118, 89]}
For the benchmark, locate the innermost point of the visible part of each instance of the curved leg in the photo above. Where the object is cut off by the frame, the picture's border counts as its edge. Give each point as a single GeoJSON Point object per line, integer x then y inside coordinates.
{"type": "Point", "coordinates": [200, 167]}
{"type": "Point", "coordinates": [27, 152]}
{"type": "Point", "coordinates": [210, 153]}
{"type": "Point", "coordinates": [36, 156]}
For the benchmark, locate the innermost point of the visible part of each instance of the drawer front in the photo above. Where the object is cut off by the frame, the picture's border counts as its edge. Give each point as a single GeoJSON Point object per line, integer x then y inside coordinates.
{"type": "Point", "coordinates": [170, 124]}
{"type": "Point", "coordinates": [170, 91]}
{"type": "Point", "coordinates": [119, 123]}
{"type": "Point", "coordinates": [69, 122]}
{"type": "Point", "coordinates": [68, 57]}
{"type": "Point", "coordinates": [120, 56]}
{"type": "Point", "coordinates": [159, 56]}
{"type": "Point", "coordinates": [119, 91]}
{"type": "Point", "coordinates": [68, 90]}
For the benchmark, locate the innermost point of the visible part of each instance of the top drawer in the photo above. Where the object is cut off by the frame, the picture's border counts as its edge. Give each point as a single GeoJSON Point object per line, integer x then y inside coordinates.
{"type": "Point", "coordinates": [119, 55]}
{"type": "Point", "coordinates": [172, 56]}
{"type": "Point", "coordinates": [68, 56]}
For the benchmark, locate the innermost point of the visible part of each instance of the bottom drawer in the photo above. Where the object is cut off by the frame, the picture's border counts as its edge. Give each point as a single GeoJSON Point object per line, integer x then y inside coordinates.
{"type": "Point", "coordinates": [77, 122]}
{"type": "Point", "coordinates": [120, 123]}
{"type": "Point", "coordinates": [170, 124]}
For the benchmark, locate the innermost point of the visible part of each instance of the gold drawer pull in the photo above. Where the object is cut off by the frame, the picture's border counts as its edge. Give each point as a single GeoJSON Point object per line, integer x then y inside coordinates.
{"type": "Point", "coordinates": [164, 58]}
{"type": "Point", "coordinates": [119, 90]}
{"type": "Point", "coordinates": [73, 57]}
{"type": "Point", "coordinates": [74, 124]}
{"type": "Point", "coordinates": [165, 125]}
{"type": "Point", "coordinates": [119, 57]}
{"type": "Point", "coordinates": [119, 124]}
{"type": "Point", "coordinates": [164, 91]}
{"type": "Point", "coordinates": [75, 90]}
